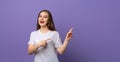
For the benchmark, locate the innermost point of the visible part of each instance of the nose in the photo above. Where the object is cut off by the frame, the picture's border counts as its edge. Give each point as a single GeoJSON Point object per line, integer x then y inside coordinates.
{"type": "Point", "coordinates": [41, 18]}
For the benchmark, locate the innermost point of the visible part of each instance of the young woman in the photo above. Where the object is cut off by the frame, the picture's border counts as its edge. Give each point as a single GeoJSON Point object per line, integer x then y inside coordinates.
{"type": "Point", "coordinates": [45, 42]}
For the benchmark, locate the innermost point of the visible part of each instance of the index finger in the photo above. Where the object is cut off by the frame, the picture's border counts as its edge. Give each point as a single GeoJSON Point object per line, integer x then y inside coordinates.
{"type": "Point", "coordinates": [71, 30]}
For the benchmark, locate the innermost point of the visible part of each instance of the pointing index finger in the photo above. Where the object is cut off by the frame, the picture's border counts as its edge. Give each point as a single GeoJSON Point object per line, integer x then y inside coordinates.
{"type": "Point", "coordinates": [71, 30]}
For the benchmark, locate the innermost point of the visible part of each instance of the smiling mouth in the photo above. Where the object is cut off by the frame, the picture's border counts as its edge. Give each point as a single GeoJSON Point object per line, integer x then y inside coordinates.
{"type": "Point", "coordinates": [41, 21]}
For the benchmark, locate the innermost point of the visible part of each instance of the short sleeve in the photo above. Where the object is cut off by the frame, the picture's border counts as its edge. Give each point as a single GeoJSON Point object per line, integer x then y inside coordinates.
{"type": "Point", "coordinates": [32, 37]}
{"type": "Point", "coordinates": [58, 42]}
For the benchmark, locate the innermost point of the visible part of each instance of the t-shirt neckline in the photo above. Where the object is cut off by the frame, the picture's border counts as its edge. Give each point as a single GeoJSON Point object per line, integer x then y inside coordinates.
{"type": "Point", "coordinates": [43, 33]}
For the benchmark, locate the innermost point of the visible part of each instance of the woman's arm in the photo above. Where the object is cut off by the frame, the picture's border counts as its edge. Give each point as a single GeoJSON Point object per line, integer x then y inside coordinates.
{"type": "Point", "coordinates": [32, 48]}
{"type": "Point", "coordinates": [63, 47]}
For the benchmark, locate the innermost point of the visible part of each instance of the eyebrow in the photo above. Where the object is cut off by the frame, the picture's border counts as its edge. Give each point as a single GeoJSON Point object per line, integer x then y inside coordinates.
{"type": "Point", "coordinates": [44, 15]}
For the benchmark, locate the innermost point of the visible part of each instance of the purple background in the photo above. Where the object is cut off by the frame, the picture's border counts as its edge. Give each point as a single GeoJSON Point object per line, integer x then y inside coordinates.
{"type": "Point", "coordinates": [96, 23]}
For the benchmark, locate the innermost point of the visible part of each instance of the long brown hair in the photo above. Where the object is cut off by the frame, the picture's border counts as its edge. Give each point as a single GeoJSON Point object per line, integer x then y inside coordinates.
{"type": "Point", "coordinates": [50, 23]}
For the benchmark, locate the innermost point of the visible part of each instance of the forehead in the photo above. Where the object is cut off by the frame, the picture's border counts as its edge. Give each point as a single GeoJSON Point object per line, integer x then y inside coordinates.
{"type": "Point", "coordinates": [44, 13]}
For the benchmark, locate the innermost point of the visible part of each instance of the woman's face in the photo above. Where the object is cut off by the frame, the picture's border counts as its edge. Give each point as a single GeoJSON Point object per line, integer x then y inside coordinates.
{"type": "Point", "coordinates": [43, 19]}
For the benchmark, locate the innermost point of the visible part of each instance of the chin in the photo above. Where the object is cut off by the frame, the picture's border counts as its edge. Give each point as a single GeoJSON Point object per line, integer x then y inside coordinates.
{"type": "Point", "coordinates": [43, 25]}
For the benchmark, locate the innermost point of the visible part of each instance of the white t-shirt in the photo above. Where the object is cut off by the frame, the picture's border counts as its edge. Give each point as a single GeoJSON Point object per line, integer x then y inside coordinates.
{"type": "Point", "coordinates": [48, 53]}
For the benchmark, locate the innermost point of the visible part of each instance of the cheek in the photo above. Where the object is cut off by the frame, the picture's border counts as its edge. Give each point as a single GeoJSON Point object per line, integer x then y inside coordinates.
{"type": "Point", "coordinates": [39, 18]}
{"type": "Point", "coordinates": [46, 20]}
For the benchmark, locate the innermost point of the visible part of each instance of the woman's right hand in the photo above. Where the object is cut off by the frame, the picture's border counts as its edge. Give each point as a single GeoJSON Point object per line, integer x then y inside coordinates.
{"type": "Point", "coordinates": [32, 48]}
{"type": "Point", "coordinates": [43, 43]}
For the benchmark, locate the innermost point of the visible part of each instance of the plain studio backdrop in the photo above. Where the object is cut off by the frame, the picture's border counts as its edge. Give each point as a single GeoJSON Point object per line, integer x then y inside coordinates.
{"type": "Point", "coordinates": [96, 28]}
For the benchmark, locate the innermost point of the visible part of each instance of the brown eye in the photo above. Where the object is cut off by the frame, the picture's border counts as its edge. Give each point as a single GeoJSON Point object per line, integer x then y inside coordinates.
{"type": "Point", "coordinates": [45, 16]}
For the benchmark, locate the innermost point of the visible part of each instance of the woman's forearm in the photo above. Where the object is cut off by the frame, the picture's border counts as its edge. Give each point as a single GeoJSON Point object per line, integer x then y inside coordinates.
{"type": "Point", "coordinates": [63, 47]}
{"type": "Point", "coordinates": [32, 49]}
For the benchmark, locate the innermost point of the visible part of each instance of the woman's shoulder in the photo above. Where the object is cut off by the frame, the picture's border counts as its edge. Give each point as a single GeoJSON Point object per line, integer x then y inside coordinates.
{"type": "Point", "coordinates": [34, 32]}
{"type": "Point", "coordinates": [55, 32]}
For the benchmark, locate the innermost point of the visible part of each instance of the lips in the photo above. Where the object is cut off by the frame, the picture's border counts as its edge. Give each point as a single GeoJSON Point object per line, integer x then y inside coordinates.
{"type": "Point", "coordinates": [41, 21]}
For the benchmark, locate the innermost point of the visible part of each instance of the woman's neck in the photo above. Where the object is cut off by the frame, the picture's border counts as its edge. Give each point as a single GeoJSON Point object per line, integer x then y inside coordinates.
{"type": "Point", "coordinates": [44, 29]}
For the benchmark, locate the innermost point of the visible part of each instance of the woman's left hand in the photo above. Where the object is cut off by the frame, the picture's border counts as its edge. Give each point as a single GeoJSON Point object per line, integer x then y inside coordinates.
{"type": "Point", "coordinates": [69, 34]}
